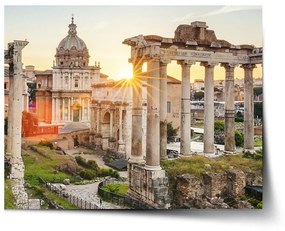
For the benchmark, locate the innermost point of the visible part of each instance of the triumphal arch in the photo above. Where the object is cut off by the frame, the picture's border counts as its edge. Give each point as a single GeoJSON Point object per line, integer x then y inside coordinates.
{"type": "Point", "coordinates": [191, 43]}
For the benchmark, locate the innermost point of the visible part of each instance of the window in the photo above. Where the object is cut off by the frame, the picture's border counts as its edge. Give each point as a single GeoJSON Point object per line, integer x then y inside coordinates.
{"type": "Point", "coordinates": [168, 107]}
{"type": "Point", "coordinates": [66, 80]}
{"type": "Point", "coordinates": [5, 85]}
{"type": "Point", "coordinates": [76, 83]}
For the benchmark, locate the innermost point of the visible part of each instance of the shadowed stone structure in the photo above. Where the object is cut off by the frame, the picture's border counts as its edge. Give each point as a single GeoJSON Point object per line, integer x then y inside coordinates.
{"type": "Point", "coordinates": [13, 57]}
{"type": "Point", "coordinates": [191, 43]}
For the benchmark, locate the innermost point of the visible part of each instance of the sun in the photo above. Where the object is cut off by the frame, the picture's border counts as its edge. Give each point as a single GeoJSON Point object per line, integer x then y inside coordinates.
{"type": "Point", "coordinates": [125, 74]}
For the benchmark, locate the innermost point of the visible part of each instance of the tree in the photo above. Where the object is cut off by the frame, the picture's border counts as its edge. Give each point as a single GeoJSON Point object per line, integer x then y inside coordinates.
{"type": "Point", "coordinates": [171, 132]}
{"type": "Point", "coordinates": [257, 90]}
{"type": "Point", "coordinates": [239, 117]}
{"type": "Point", "coordinates": [32, 91]}
{"type": "Point", "coordinates": [199, 95]}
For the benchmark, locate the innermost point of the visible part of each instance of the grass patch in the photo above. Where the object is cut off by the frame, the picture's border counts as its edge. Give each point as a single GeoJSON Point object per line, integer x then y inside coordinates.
{"type": "Point", "coordinates": [8, 196]}
{"type": "Point", "coordinates": [37, 165]}
{"type": "Point", "coordinates": [196, 165]}
{"type": "Point", "coordinates": [59, 201]}
{"type": "Point", "coordinates": [119, 189]}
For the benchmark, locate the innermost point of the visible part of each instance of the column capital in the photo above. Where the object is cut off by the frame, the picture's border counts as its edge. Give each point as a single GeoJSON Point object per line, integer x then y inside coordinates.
{"type": "Point", "coordinates": [209, 64]}
{"type": "Point", "coordinates": [185, 62]}
{"type": "Point", "coordinates": [229, 65]}
{"type": "Point", "coordinates": [164, 61]}
{"type": "Point", "coordinates": [248, 66]}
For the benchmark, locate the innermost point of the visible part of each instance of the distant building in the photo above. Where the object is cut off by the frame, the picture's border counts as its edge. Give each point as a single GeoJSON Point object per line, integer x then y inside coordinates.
{"type": "Point", "coordinates": [199, 85]}
{"type": "Point", "coordinates": [111, 113]}
{"type": "Point", "coordinates": [64, 93]}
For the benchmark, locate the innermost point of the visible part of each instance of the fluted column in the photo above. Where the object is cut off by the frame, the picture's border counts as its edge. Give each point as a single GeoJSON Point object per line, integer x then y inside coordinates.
{"type": "Point", "coordinates": [209, 113]}
{"type": "Point", "coordinates": [248, 107]}
{"type": "Point", "coordinates": [136, 153]}
{"type": "Point", "coordinates": [153, 118]}
{"type": "Point", "coordinates": [229, 108]}
{"type": "Point", "coordinates": [163, 110]}
{"type": "Point", "coordinates": [185, 130]}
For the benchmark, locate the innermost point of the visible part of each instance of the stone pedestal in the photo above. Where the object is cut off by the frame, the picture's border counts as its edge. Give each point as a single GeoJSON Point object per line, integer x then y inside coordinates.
{"type": "Point", "coordinates": [149, 187]}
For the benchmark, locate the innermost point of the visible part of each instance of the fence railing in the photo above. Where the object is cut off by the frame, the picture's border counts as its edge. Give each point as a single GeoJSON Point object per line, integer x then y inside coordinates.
{"type": "Point", "coordinates": [124, 200]}
{"type": "Point", "coordinates": [77, 201]}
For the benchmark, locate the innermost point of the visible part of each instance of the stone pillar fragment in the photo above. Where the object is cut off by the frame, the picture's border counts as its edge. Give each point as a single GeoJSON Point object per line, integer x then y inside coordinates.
{"type": "Point", "coordinates": [163, 110]}
{"type": "Point", "coordinates": [17, 165]}
{"type": "Point", "coordinates": [185, 134]}
{"type": "Point", "coordinates": [10, 112]}
{"type": "Point", "coordinates": [248, 107]}
{"type": "Point", "coordinates": [229, 108]}
{"type": "Point", "coordinates": [153, 118]}
{"type": "Point", "coordinates": [209, 113]}
{"type": "Point", "coordinates": [136, 153]}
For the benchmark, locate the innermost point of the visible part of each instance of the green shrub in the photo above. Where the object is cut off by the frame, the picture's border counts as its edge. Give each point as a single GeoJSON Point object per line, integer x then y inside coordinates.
{"type": "Point", "coordinates": [239, 138]}
{"type": "Point", "coordinates": [257, 155]}
{"type": "Point", "coordinates": [87, 174]}
{"type": "Point", "coordinates": [259, 205]}
{"type": "Point", "coordinates": [46, 143]}
{"type": "Point", "coordinates": [219, 125]}
{"type": "Point", "coordinates": [90, 164]}
{"type": "Point", "coordinates": [108, 172]}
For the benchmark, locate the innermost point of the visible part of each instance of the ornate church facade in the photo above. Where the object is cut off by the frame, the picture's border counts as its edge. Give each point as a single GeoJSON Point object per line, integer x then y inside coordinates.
{"type": "Point", "coordinates": [64, 94]}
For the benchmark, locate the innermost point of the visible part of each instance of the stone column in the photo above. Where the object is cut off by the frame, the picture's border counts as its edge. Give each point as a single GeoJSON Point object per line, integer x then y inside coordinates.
{"type": "Point", "coordinates": [209, 113]}
{"type": "Point", "coordinates": [68, 109]}
{"type": "Point", "coordinates": [98, 118]}
{"type": "Point", "coordinates": [121, 147]}
{"type": "Point", "coordinates": [72, 108]}
{"type": "Point", "coordinates": [120, 124]}
{"type": "Point", "coordinates": [17, 165]}
{"type": "Point", "coordinates": [163, 110]}
{"type": "Point", "coordinates": [10, 112]}
{"type": "Point", "coordinates": [88, 109]}
{"type": "Point", "coordinates": [63, 109]}
{"type": "Point", "coordinates": [185, 127]}
{"type": "Point", "coordinates": [53, 109]}
{"type": "Point", "coordinates": [57, 110]}
{"type": "Point", "coordinates": [82, 109]}
{"type": "Point", "coordinates": [248, 107]}
{"type": "Point", "coordinates": [136, 153]}
{"type": "Point", "coordinates": [111, 123]}
{"type": "Point", "coordinates": [229, 108]}
{"type": "Point", "coordinates": [153, 119]}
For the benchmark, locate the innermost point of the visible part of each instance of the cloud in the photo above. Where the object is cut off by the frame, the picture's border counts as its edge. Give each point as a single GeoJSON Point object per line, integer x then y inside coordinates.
{"type": "Point", "coordinates": [222, 10]}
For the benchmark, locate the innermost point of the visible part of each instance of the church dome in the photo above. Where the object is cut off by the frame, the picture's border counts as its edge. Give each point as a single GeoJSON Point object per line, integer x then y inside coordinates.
{"type": "Point", "coordinates": [72, 50]}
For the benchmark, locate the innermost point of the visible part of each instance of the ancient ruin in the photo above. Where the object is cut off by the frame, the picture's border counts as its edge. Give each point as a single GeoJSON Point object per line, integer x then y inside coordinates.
{"type": "Point", "coordinates": [191, 43]}
{"type": "Point", "coordinates": [13, 57]}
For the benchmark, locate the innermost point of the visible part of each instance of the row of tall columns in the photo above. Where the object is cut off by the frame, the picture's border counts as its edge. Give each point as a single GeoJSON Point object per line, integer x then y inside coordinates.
{"type": "Point", "coordinates": [59, 106]}
{"type": "Point", "coordinates": [229, 108]}
{"type": "Point", "coordinates": [156, 111]}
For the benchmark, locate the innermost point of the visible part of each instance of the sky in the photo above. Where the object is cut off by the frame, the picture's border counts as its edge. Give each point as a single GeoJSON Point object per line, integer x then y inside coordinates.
{"type": "Point", "coordinates": [103, 28]}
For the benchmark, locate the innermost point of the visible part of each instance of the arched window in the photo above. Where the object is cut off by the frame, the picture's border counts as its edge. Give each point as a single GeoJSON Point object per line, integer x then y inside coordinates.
{"type": "Point", "coordinates": [76, 83]}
